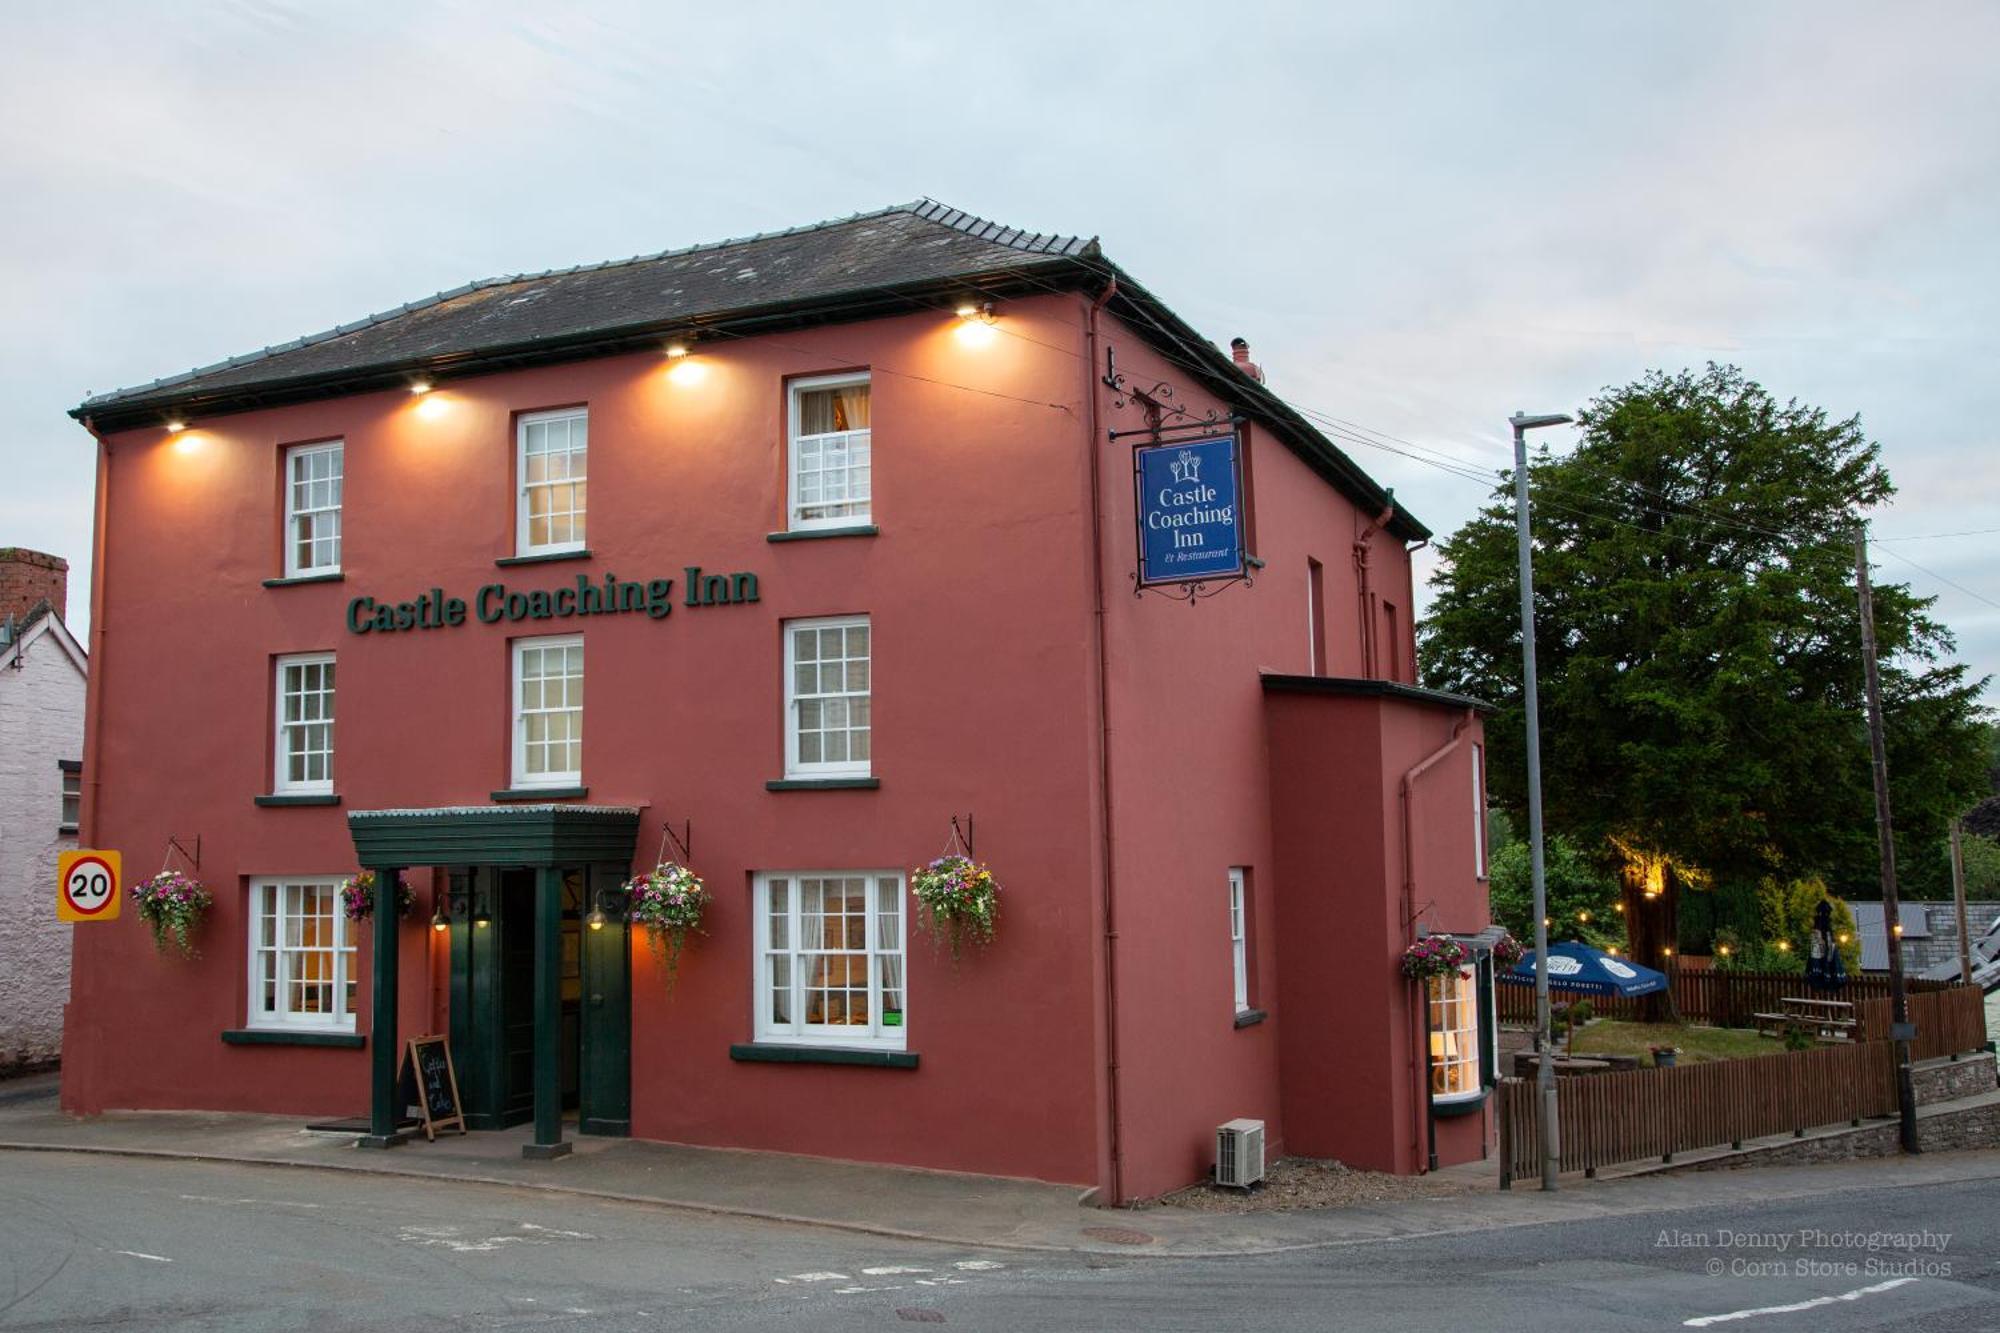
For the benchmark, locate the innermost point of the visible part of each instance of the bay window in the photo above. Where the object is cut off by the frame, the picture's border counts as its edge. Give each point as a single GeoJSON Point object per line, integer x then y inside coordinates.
{"type": "Point", "coordinates": [1454, 1028]}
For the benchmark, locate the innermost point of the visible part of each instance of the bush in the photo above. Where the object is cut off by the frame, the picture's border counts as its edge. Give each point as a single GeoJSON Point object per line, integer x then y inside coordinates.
{"type": "Point", "coordinates": [1575, 888]}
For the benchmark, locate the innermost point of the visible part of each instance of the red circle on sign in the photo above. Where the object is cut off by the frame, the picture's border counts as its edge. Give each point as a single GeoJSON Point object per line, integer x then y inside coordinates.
{"type": "Point", "coordinates": [78, 864]}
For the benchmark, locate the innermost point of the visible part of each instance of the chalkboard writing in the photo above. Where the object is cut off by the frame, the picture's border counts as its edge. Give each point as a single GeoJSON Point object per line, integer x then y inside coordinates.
{"type": "Point", "coordinates": [436, 1091]}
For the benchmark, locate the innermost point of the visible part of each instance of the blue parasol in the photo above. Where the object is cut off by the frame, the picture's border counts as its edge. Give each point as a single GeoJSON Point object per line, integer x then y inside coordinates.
{"type": "Point", "coordinates": [1576, 966]}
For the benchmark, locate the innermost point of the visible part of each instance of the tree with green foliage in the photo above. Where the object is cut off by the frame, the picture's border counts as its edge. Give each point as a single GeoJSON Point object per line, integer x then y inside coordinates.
{"type": "Point", "coordinates": [1582, 898]}
{"type": "Point", "coordinates": [1699, 649]}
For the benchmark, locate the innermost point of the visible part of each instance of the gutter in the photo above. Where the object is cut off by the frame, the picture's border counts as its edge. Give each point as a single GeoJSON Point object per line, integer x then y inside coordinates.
{"type": "Point", "coordinates": [93, 682]}
{"type": "Point", "coordinates": [1114, 1140]}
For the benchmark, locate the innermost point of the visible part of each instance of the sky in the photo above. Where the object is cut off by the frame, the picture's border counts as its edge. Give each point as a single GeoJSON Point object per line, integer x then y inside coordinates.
{"type": "Point", "coordinates": [1422, 216]}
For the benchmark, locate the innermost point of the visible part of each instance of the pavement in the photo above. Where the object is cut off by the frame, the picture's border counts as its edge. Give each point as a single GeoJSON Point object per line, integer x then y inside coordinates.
{"type": "Point", "coordinates": [931, 1206]}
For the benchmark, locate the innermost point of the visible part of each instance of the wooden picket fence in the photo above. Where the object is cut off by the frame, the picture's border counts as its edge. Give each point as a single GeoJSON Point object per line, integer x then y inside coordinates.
{"type": "Point", "coordinates": [1644, 1114]}
{"type": "Point", "coordinates": [1948, 1021]}
{"type": "Point", "coordinates": [1721, 999]}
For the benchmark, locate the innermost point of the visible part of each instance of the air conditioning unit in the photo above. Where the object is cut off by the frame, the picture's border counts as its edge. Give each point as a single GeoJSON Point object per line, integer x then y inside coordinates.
{"type": "Point", "coordinates": [1239, 1153]}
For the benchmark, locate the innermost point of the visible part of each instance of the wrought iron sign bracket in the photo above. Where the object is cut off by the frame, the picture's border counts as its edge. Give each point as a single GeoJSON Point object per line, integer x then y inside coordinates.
{"type": "Point", "coordinates": [1157, 402]}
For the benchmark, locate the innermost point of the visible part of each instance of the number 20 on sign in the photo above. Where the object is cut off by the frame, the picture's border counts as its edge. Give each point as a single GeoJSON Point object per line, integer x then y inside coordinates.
{"type": "Point", "coordinates": [87, 886]}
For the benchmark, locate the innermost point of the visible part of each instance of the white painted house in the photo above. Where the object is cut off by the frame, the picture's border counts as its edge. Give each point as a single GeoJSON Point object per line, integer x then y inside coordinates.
{"type": "Point", "coordinates": [42, 675]}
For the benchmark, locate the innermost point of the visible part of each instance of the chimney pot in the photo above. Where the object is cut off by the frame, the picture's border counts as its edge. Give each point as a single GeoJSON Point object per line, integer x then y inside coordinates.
{"type": "Point", "coordinates": [1239, 348]}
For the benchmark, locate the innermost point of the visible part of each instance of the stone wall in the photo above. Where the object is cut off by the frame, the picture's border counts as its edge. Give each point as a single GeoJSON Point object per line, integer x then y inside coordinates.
{"type": "Point", "coordinates": [1948, 1080]}
{"type": "Point", "coordinates": [41, 723]}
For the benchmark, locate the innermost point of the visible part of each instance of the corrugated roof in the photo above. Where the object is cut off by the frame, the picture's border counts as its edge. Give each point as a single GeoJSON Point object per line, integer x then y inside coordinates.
{"type": "Point", "coordinates": [919, 242]}
{"type": "Point", "coordinates": [1868, 925]}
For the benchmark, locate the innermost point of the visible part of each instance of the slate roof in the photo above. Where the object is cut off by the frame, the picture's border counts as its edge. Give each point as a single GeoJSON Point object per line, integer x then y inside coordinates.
{"type": "Point", "coordinates": [915, 256]}
{"type": "Point", "coordinates": [1984, 818]}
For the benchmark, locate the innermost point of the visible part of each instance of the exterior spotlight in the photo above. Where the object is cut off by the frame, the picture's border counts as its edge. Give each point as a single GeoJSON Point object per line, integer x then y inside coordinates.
{"type": "Point", "coordinates": [677, 349]}
{"type": "Point", "coordinates": [1784, 946]}
{"type": "Point", "coordinates": [979, 310]}
{"type": "Point", "coordinates": [595, 919]}
{"type": "Point", "coordinates": [439, 922]}
{"type": "Point", "coordinates": [175, 425]}
{"type": "Point", "coordinates": [1896, 929]}
{"type": "Point", "coordinates": [420, 386]}
{"type": "Point", "coordinates": [482, 917]}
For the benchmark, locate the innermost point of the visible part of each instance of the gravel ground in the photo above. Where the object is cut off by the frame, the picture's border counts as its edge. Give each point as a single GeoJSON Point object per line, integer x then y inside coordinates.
{"type": "Point", "coordinates": [1303, 1182]}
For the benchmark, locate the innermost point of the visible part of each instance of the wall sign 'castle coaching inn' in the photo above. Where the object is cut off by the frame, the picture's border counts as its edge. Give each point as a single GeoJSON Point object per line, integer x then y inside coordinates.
{"type": "Point", "coordinates": [1190, 524]}
{"type": "Point", "coordinates": [496, 602]}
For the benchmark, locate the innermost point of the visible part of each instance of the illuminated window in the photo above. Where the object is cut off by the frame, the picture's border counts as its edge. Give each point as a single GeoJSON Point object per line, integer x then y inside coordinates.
{"type": "Point", "coordinates": [312, 509]}
{"type": "Point", "coordinates": [301, 958]}
{"type": "Point", "coordinates": [829, 465]}
{"type": "Point", "coordinates": [553, 466]}
{"type": "Point", "coordinates": [830, 958]}
{"type": "Point", "coordinates": [305, 725]}
{"type": "Point", "coordinates": [548, 711]}
{"type": "Point", "coordinates": [1454, 1035]}
{"type": "Point", "coordinates": [828, 706]}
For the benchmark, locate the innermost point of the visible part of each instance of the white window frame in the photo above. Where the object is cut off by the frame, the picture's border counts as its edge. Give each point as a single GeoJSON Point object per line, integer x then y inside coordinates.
{"type": "Point", "coordinates": [1239, 944]}
{"type": "Point", "coordinates": [795, 390]}
{"type": "Point", "coordinates": [873, 1035]}
{"type": "Point", "coordinates": [295, 515]}
{"type": "Point", "coordinates": [522, 528]}
{"type": "Point", "coordinates": [345, 966]}
{"type": "Point", "coordinates": [518, 652]}
{"type": "Point", "coordinates": [1467, 1058]}
{"type": "Point", "coordinates": [71, 793]}
{"type": "Point", "coordinates": [794, 766]}
{"type": "Point", "coordinates": [281, 783]}
{"type": "Point", "coordinates": [1478, 811]}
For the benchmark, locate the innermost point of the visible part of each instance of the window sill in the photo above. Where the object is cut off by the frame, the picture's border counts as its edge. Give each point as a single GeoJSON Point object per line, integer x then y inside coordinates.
{"type": "Point", "coordinates": [67, 830]}
{"type": "Point", "coordinates": [539, 793]}
{"type": "Point", "coordinates": [1250, 1018]}
{"type": "Point", "coordinates": [822, 784]}
{"type": "Point", "coordinates": [287, 1037]}
{"type": "Point", "coordinates": [1444, 1110]}
{"type": "Point", "coordinates": [774, 1054]}
{"type": "Point", "coordinates": [542, 557]}
{"type": "Point", "coordinates": [292, 580]}
{"type": "Point", "coordinates": [314, 798]}
{"type": "Point", "coordinates": [811, 534]}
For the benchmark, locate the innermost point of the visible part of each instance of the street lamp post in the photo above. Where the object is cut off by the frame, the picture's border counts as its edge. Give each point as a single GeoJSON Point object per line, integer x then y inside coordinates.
{"type": "Point", "coordinates": [1545, 1076]}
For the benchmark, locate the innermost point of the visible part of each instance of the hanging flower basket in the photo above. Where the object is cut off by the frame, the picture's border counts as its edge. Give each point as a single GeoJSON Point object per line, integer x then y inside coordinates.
{"type": "Point", "coordinates": [1507, 951]}
{"type": "Point", "coordinates": [668, 901]}
{"type": "Point", "coordinates": [958, 900]}
{"type": "Point", "coordinates": [357, 896]}
{"type": "Point", "coordinates": [172, 905]}
{"type": "Point", "coordinates": [1433, 956]}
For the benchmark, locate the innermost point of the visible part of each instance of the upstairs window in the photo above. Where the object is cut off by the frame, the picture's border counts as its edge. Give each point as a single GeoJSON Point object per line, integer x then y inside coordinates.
{"type": "Point", "coordinates": [72, 795]}
{"type": "Point", "coordinates": [830, 483]}
{"type": "Point", "coordinates": [1479, 811]}
{"type": "Point", "coordinates": [548, 712]}
{"type": "Point", "coordinates": [829, 725]}
{"type": "Point", "coordinates": [305, 725]}
{"type": "Point", "coordinates": [312, 509]}
{"type": "Point", "coordinates": [553, 467]}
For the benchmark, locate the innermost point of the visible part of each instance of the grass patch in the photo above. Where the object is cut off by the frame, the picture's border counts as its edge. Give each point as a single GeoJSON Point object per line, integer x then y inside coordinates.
{"type": "Point", "coordinates": [1612, 1036]}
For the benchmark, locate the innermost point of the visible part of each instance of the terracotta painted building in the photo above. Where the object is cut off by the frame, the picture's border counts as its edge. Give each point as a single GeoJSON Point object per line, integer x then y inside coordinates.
{"type": "Point", "coordinates": [777, 557]}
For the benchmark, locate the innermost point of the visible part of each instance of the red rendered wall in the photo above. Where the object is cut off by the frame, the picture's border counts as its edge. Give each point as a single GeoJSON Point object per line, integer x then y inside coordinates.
{"type": "Point", "coordinates": [978, 589]}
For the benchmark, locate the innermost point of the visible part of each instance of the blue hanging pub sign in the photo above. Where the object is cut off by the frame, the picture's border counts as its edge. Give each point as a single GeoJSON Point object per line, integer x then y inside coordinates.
{"type": "Point", "coordinates": [1190, 511]}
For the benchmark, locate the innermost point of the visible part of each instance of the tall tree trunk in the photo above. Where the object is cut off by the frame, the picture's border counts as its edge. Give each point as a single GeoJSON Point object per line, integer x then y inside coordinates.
{"type": "Point", "coordinates": [1651, 929]}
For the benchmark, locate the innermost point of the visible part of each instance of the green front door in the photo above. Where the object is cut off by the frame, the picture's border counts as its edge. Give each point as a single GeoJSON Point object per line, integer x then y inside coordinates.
{"type": "Point", "coordinates": [605, 1100]}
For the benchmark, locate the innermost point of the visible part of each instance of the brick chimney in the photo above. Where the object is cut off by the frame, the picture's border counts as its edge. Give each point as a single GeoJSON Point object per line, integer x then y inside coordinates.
{"type": "Point", "coordinates": [1240, 349]}
{"type": "Point", "coordinates": [28, 578]}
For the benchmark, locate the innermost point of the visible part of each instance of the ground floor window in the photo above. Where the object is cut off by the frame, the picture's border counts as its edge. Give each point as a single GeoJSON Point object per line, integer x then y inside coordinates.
{"type": "Point", "coordinates": [1454, 1019]}
{"type": "Point", "coordinates": [830, 958]}
{"type": "Point", "coordinates": [301, 955]}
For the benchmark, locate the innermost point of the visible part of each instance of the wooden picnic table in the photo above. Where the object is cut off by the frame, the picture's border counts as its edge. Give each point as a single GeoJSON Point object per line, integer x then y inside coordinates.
{"type": "Point", "coordinates": [1832, 1019]}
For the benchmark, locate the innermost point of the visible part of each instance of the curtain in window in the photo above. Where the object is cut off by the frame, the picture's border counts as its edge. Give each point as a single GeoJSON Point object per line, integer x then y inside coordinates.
{"type": "Point", "coordinates": [823, 411]}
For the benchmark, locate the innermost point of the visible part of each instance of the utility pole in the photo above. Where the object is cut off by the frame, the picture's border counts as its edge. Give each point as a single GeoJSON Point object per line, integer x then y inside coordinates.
{"type": "Point", "coordinates": [1958, 897]}
{"type": "Point", "coordinates": [1545, 1075]}
{"type": "Point", "coordinates": [1900, 1030]}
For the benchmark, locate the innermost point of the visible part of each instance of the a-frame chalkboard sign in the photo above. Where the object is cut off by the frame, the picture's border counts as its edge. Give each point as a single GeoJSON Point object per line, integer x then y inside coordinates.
{"type": "Point", "coordinates": [436, 1085]}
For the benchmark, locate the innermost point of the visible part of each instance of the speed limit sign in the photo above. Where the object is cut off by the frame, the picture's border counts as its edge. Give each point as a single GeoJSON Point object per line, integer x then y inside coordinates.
{"type": "Point", "coordinates": [87, 886]}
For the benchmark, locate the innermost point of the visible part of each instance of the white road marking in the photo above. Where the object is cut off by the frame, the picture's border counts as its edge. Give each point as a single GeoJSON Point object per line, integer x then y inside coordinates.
{"type": "Point", "coordinates": [816, 1277]}
{"type": "Point", "coordinates": [977, 1265]}
{"type": "Point", "coordinates": [850, 1291]}
{"type": "Point", "coordinates": [892, 1270]}
{"type": "Point", "coordinates": [135, 1254]}
{"type": "Point", "coordinates": [1704, 1321]}
{"type": "Point", "coordinates": [551, 1231]}
{"type": "Point", "coordinates": [268, 1203]}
